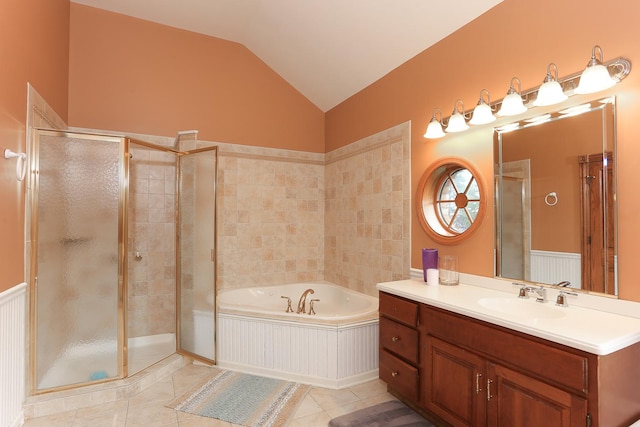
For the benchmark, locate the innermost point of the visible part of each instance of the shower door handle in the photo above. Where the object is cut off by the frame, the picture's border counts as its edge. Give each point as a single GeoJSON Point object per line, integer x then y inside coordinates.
{"type": "Point", "coordinates": [213, 255]}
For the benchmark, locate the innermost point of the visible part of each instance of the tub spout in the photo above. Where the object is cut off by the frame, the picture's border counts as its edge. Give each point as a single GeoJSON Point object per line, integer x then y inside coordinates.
{"type": "Point", "coordinates": [302, 303]}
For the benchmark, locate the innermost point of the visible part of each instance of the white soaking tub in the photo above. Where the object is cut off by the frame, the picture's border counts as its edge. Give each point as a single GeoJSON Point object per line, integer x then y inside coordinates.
{"type": "Point", "coordinates": [337, 347]}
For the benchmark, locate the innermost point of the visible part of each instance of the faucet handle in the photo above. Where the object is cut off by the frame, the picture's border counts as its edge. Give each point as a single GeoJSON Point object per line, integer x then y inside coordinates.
{"type": "Point", "coordinates": [289, 309]}
{"type": "Point", "coordinates": [311, 310]}
{"type": "Point", "coordinates": [561, 301]}
{"type": "Point", "coordinates": [522, 293]}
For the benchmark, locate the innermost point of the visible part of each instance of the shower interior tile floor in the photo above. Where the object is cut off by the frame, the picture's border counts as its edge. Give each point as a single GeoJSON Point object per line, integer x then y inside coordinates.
{"type": "Point", "coordinates": [147, 408]}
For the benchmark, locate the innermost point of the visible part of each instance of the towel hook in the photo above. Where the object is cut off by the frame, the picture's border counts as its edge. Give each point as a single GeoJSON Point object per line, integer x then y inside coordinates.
{"type": "Point", "coordinates": [21, 164]}
{"type": "Point", "coordinates": [551, 199]}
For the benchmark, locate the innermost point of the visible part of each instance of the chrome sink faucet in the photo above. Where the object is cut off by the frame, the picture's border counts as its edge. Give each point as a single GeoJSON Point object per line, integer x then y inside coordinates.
{"type": "Point", "coordinates": [302, 303]}
{"type": "Point", "coordinates": [540, 291]}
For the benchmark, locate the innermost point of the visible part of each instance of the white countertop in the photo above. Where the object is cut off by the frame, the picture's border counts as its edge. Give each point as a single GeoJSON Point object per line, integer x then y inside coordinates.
{"type": "Point", "coordinates": [593, 331]}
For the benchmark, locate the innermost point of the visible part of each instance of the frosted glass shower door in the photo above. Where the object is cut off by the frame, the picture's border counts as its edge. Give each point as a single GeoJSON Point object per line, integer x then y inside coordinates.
{"type": "Point", "coordinates": [197, 171]}
{"type": "Point", "coordinates": [77, 261]}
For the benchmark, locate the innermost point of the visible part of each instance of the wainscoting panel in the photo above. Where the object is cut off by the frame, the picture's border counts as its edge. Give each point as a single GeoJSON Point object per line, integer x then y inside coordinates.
{"type": "Point", "coordinates": [12, 354]}
{"type": "Point", "coordinates": [324, 355]}
{"type": "Point", "coordinates": [552, 267]}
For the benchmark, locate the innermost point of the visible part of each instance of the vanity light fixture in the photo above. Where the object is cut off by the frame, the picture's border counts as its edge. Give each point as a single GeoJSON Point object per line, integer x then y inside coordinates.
{"type": "Point", "coordinates": [595, 76]}
{"type": "Point", "coordinates": [512, 103]}
{"type": "Point", "coordinates": [457, 122]}
{"type": "Point", "coordinates": [434, 129]}
{"type": "Point", "coordinates": [550, 92]}
{"type": "Point", "coordinates": [482, 114]}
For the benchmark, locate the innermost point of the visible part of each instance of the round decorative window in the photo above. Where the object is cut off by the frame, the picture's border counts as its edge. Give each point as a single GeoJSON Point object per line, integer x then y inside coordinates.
{"type": "Point", "coordinates": [450, 200]}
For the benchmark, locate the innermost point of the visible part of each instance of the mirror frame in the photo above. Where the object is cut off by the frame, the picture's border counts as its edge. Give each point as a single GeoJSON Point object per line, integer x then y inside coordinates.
{"type": "Point", "coordinates": [594, 104]}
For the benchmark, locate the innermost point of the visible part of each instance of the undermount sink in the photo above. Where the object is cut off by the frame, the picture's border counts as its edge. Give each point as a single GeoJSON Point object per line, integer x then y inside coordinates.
{"type": "Point", "coordinates": [523, 308]}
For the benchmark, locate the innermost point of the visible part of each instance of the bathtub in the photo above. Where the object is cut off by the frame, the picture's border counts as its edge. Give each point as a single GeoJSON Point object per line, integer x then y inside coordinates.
{"type": "Point", "coordinates": [336, 348]}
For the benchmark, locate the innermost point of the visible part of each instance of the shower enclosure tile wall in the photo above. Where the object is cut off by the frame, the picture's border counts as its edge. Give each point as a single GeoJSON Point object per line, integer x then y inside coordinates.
{"type": "Point", "coordinates": [152, 299]}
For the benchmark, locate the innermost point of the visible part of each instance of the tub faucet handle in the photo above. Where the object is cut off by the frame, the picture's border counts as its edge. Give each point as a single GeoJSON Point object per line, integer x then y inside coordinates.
{"type": "Point", "coordinates": [289, 309]}
{"type": "Point", "coordinates": [311, 310]}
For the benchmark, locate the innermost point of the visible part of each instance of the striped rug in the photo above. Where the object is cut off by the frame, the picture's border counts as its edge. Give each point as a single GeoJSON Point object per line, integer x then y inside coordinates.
{"type": "Point", "coordinates": [243, 399]}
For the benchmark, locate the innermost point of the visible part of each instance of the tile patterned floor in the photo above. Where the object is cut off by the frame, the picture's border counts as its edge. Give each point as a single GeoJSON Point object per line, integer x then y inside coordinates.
{"type": "Point", "coordinates": [147, 408]}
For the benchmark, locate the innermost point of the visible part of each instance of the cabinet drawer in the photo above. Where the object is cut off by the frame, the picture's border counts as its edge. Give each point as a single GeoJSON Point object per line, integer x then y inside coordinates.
{"type": "Point", "coordinates": [399, 375]}
{"type": "Point", "coordinates": [399, 339]}
{"type": "Point", "coordinates": [399, 309]}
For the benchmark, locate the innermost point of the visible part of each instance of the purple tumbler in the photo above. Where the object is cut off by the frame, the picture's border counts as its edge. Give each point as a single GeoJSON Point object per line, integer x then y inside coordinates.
{"type": "Point", "coordinates": [429, 260]}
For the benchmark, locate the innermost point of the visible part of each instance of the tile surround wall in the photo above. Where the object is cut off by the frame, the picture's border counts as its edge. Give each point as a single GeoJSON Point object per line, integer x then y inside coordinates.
{"type": "Point", "coordinates": [367, 211]}
{"type": "Point", "coordinates": [287, 216]}
{"type": "Point", "coordinates": [271, 217]}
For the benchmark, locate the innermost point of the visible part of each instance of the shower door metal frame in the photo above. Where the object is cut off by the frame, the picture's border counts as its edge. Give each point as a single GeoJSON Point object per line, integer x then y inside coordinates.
{"type": "Point", "coordinates": [214, 257]}
{"type": "Point", "coordinates": [32, 215]}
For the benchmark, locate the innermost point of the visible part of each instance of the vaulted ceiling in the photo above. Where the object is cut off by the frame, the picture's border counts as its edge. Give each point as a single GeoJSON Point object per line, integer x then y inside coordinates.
{"type": "Point", "coordinates": [327, 49]}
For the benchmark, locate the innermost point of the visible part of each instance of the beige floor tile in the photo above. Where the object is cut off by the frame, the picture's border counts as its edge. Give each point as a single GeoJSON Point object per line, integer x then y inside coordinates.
{"type": "Point", "coordinates": [161, 393]}
{"type": "Point", "coordinates": [369, 389]}
{"type": "Point", "coordinates": [321, 419]}
{"type": "Point", "coordinates": [307, 407]}
{"type": "Point", "coordinates": [146, 409]}
{"type": "Point", "coordinates": [152, 415]}
{"type": "Point", "coordinates": [183, 381]}
{"type": "Point", "coordinates": [104, 419]}
{"type": "Point", "coordinates": [345, 409]}
{"type": "Point", "coordinates": [378, 398]}
{"type": "Point", "coordinates": [328, 398]}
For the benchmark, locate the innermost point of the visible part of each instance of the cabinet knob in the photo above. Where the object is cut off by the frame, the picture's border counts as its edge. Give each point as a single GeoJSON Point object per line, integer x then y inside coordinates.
{"type": "Point", "coordinates": [394, 374]}
{"type": "Point", "coordinates": [395, 339]}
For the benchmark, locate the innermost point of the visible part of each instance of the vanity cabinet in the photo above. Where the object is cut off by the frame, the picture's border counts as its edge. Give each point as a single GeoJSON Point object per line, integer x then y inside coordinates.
{"type": "Point", "coordinates": [473, 373]}
{"type": "Point", "coordinates": [476, 374]}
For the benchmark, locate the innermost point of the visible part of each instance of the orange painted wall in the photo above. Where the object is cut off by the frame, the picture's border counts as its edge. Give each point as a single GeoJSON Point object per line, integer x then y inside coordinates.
{"type": "Point", "coordinates": [515, 38]}
{"type": "Point", "coordinates": [132, 75]}
{"type": "Point", "coordinates": [34, 48]}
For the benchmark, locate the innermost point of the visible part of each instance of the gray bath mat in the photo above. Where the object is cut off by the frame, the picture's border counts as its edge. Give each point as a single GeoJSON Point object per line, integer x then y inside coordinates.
{"type": "Point", "coordinates": [388, 414]}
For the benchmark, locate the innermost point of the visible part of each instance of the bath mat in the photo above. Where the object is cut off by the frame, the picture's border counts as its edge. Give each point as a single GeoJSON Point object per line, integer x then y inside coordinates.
{"type": "Point", "coordinates": [388, 414]}
{"type": "Point", "coordinates": [243, 399]}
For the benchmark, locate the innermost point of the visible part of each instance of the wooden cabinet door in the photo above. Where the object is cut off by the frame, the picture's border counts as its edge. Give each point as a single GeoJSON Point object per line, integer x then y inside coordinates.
{"type": "Point", "coordinates": [454, 383]}
{"type": "Point", "coordinates": [517, 400]}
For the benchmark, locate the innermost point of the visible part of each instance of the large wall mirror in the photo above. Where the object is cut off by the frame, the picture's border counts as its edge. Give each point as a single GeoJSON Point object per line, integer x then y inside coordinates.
{"type": "Point", "coordinates": [556, 214]}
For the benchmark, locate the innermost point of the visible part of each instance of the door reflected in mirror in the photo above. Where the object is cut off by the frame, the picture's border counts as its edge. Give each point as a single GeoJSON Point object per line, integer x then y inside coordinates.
{"type": "Point", "coordinates": [556, 199]}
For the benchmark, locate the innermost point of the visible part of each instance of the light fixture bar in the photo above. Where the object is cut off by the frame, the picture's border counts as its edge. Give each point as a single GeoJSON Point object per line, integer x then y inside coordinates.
{"type": "Point", "coordinates": [619, 68]}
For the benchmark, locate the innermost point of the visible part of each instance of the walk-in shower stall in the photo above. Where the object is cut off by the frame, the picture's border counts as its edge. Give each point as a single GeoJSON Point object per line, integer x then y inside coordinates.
{"type": "Point", "coordinates": [121, 257]}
